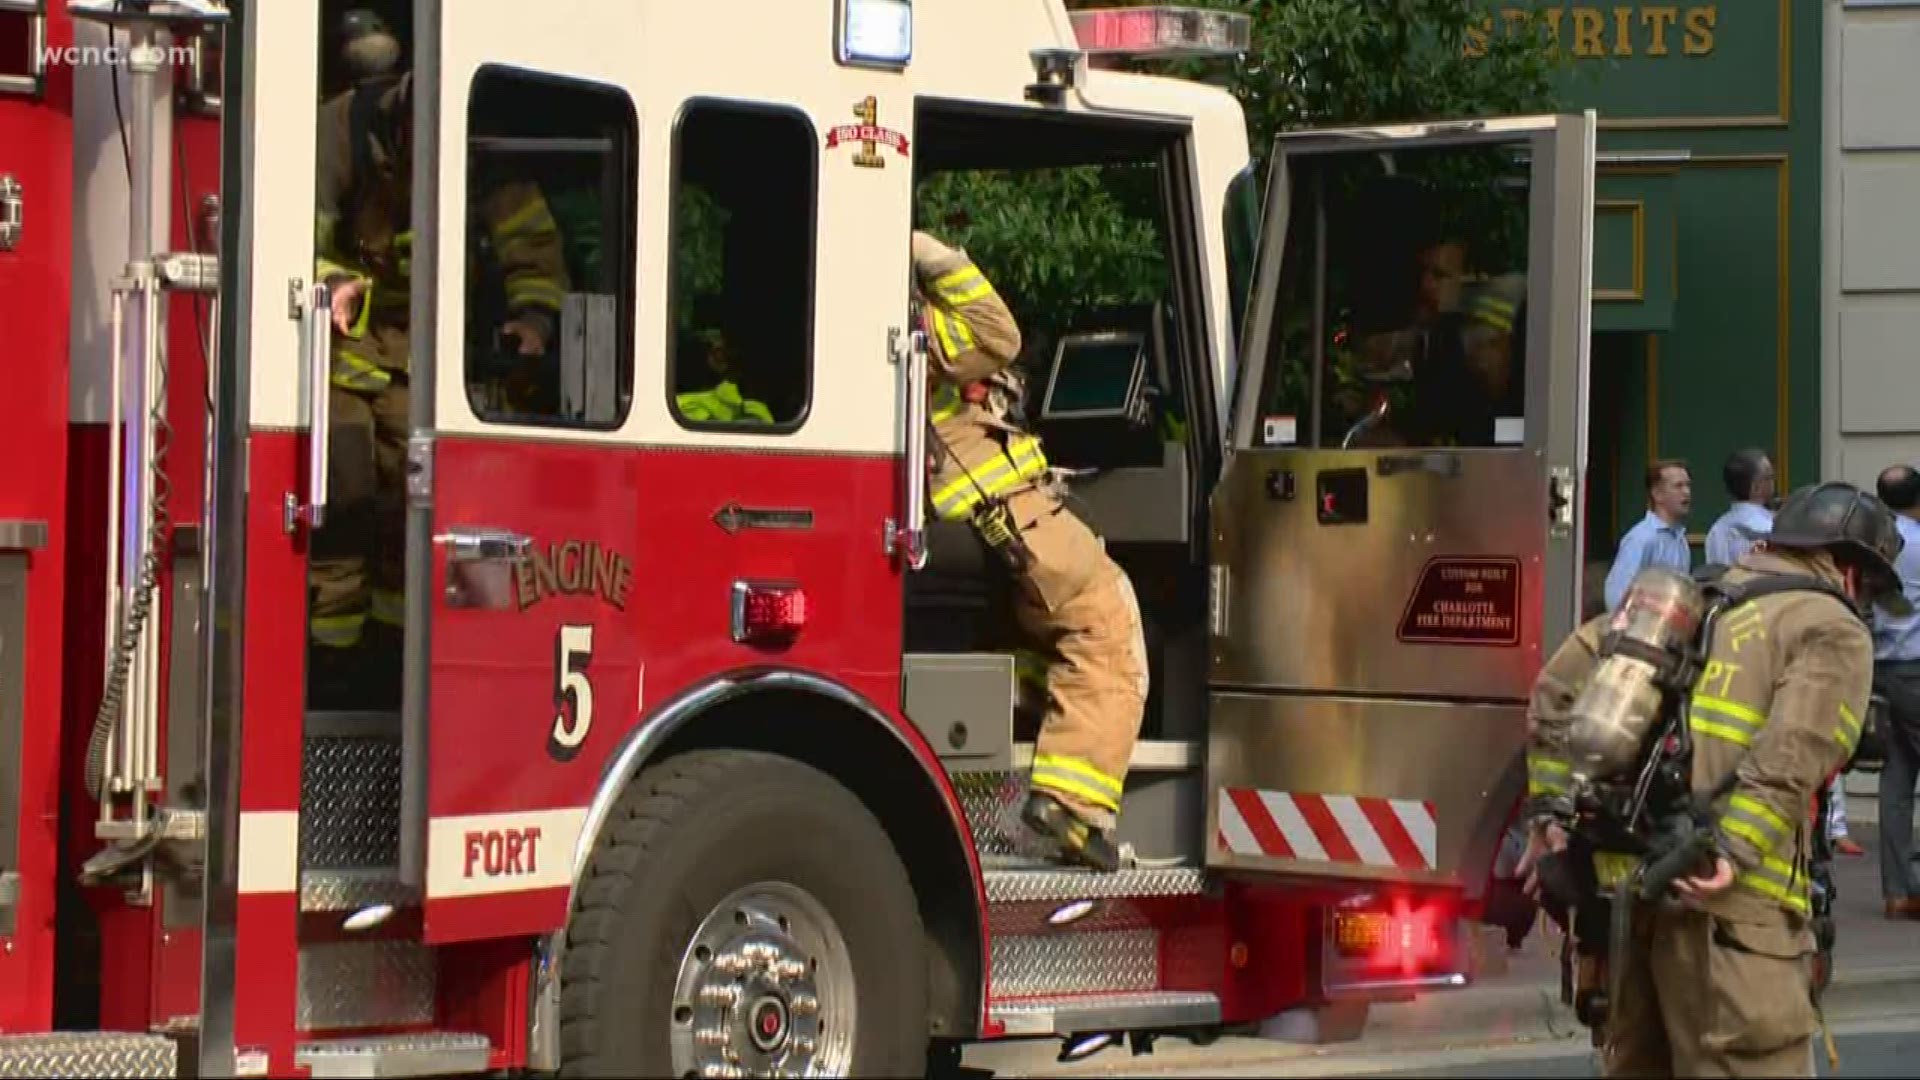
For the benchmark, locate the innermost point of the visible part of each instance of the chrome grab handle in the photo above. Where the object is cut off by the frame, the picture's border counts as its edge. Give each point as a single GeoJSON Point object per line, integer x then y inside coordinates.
{"type": "Point", "coordinates": [316, 327]}
{"type": "Point", "coordinates": [465, 545]}
{"type": "Point", "coordinates": [913, 535]}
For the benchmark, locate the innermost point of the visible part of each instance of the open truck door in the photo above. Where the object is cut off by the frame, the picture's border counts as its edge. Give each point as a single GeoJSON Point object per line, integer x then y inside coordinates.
{"type": "Point", "coordinates": [1397, 530]}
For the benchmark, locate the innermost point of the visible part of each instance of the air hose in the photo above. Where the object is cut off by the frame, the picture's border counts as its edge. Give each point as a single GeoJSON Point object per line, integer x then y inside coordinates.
{"type": "Point", "coordinates": [133, 619]}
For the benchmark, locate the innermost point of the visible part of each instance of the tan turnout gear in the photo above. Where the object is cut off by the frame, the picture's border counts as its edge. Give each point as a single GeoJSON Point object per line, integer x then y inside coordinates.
{"type": "Point", "coordinates": [1724, 987]}
{"type": "Point", "coordinates": [363, 235]}
{"type": "Point", "coordinates": [1087, 659]}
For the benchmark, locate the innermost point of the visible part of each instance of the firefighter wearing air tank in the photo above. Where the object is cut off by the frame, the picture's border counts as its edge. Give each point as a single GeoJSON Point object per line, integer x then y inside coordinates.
{"type": "Point", "coordinates": [1714, 974]}
{"type": "Point", "coordinates": [1073, 601]}
{"type": "Point", "coordinates": [364, 243]}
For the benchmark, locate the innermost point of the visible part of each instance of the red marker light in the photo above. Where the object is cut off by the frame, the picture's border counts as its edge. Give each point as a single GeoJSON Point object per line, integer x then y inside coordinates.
{"type": "Point", "coordinates": [768, 613]}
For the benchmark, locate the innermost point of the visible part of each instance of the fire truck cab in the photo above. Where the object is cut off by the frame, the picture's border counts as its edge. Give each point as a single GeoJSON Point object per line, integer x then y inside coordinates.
{"type": "Point", "coordinates": [702, 743]}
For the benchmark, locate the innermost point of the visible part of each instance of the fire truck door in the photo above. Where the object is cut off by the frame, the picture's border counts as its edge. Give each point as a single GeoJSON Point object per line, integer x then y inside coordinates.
{"type": "Point", "coordinates": [522, 584]}
{"type": "Point", "coordinates": [35, 167]}
{"type": "Point", "coordinates": [1397, 533]}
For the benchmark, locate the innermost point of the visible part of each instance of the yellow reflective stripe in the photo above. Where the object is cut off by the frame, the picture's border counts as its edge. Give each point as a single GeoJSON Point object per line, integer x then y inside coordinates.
{"type": "Point", "coordinates": [1022, 460]}
{"type": "Point", "coordinates": [1547, 776]}
{"type": "Point", "coordinates": [337, 631]}
{"type": "Point", "coordinates": [947, 403]}
{"type": "Point", "coordinates": [943, 330]}
{"type": "Point", "coordinates": [1849, 733]}
{"type": "Point", "coordinates": [524, 291]}
{"type": "Point", "coordinates": [1736, 723]}
{"type": "Point", "coordinates": [532, 217]}
{"type": "Point", "coordinates": [1777, 879]}
{"type": "Point", "coordinates": [1734, 709]}
{"type": "Point", "coordinates": [390, 607]}
{"type": "Point", "coordinates": [351, 371]}
{"type": "Point", "coordinates": [1076, 777]}
{"type": "Point", "coordinates": [1750, 807]}
{"type": "Point", "coordinates": [1750, 832]}
{"type": "Point", "coordinates": [963, 286]}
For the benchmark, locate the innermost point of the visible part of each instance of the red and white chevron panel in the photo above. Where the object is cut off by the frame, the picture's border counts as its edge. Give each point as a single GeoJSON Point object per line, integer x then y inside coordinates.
{"type": "Point", "coordinates": [1362, 830]}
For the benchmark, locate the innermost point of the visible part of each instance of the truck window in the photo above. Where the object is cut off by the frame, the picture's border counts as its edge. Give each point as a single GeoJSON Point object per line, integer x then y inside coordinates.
{"type": "Point", "coordinates": [740, 339]}
{"type": "Point", "coordinates": [551, 193]}
{"type": "Point", "coordinates": [1402, 308]}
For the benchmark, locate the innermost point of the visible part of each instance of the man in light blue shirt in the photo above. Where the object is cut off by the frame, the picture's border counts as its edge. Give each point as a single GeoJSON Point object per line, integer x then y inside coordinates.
{"type": "Point", "coordinates": [1896, 676]}
{"type": "Point", "coordinates": [1660, 538]}
{"type": "Point", "coordinates": [1749, 478]}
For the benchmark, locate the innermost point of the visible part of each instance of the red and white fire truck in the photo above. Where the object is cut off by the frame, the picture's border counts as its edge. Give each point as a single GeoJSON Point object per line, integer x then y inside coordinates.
{"type": "Point", "coordinates": [702, 752]}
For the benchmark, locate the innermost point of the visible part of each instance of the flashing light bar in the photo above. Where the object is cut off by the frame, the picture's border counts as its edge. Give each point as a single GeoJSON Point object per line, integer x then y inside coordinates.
{"type": "Point", "coordinates": [1163, 31]}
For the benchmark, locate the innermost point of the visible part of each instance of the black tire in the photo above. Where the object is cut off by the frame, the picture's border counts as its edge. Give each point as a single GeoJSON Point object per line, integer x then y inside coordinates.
{"type": "Point", "coordinates": [686, 834]}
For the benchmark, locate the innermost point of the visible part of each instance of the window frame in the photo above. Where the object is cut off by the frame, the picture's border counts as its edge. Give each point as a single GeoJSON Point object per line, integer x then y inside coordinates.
{"type": "Point", "coordinates": [675, 159]}
{"type": "Point", "coordinates": [626, 331]}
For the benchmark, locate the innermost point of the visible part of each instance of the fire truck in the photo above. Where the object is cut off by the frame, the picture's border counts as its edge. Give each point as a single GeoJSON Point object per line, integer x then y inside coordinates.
{"type": "Point", "coordinates": [702, 738]}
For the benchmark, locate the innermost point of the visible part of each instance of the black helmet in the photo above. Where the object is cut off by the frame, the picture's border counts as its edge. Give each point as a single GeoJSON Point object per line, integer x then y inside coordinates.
{"type": "Point", "coordinates": [1855, 526]}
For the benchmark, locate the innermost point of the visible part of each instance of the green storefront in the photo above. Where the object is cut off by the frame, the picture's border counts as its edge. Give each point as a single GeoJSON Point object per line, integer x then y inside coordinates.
{"type": "Point", "coordinates": [1706, 240]}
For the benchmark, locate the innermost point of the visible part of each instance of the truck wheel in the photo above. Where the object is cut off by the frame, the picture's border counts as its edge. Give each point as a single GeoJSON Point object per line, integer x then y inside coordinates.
{"type": "Point", "coordinates": [743, 914]}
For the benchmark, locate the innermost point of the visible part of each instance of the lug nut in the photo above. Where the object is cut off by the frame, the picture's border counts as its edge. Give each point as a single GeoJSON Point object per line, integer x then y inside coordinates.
{"type": "Point", "coordinates": [732, 964]}
{"type": "Point", "coordinates": [719, 996]}
{"type": "Point", "coordinates": [802, 1045]}
{"type": "Point", "coordinates": [711, 1037]}
{"type": "Point", "coordinates": [789, 969]}
{"type": "Point", "coordinates": [804, 1005]}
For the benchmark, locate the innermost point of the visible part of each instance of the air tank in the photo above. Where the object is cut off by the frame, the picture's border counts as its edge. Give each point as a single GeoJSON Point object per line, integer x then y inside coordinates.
{"type": "Point", "coordinates": [1621, 701]}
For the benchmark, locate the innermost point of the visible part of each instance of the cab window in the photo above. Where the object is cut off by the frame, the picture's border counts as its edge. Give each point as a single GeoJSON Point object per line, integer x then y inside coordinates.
{"type": "Point", "coordinates": [740, 337]}
{"type": "Point", "coordinates": [1402, 309]}
{"type": "Point", "coordinates": [551, 201]}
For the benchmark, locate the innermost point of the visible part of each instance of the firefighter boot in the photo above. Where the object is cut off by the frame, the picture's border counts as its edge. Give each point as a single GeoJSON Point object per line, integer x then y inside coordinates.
{"type": "Point", "coordinates": [1079, 841]}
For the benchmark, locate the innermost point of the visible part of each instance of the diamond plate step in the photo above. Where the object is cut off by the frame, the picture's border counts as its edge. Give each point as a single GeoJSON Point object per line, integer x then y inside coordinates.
{"type": "Point", "coordinates": [437, 1054]}
{"type": "Point", "coordinates": [354, 890]}
{"type": "Point", "coordinates": [88, 1053]}
{"type": "Point", "coordinates": [1006, 885]}
{"type": "Point", "coordinates": [1072, 1014]}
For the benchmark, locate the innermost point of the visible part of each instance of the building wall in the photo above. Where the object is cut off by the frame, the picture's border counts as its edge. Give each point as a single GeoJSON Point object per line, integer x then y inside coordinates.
{"type": "Point", "coordinates": [1707, 240]}
{"type": "Point", "coordinates": [1871, 259]}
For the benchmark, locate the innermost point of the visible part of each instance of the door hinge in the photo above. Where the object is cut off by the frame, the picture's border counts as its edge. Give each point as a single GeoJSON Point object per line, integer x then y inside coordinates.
{"type": "Point", "coordinates": [13, 210]}
{"type": "Point", "coordinates": [419, 472]}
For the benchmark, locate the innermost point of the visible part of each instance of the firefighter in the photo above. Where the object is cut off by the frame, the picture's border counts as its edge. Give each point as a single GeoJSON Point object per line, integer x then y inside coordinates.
{"type": "Point", "coordinates": [1720, 982]}
{"type": "Point", "coordinates": [363, 239]}
{"type": "Point", "coordinates": [1072, 601]}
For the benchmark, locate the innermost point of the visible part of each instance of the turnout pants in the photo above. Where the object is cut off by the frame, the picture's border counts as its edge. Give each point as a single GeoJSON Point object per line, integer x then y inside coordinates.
{"type": "Point", "coordinates": [1707, 996]}
{"type": "Point", "coordinates": [1074, 606]}
{"type": "Point", "coordinates": [358, 569]}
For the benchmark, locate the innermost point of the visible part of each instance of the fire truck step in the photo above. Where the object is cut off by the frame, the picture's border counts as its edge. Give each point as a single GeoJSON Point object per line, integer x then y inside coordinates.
{"type": "Point", "coordinates": [354, 890]}
{"type": "Point", "coordinates": [1076, 1013]}
{"type": "Point", "coordinates": [435, 1054]}
{"type": "Point", "coordinates": [1032, 884]}
{"type": "Point", "coordinates": [88, 1053]}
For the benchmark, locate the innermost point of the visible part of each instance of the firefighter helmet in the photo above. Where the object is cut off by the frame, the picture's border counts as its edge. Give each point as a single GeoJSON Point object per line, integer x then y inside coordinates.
{"type": "Point", "coordinates": [1855, 526]}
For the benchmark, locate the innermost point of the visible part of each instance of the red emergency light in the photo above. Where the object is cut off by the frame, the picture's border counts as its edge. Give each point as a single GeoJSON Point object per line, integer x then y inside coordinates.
{"type": "Point", "coordinates": [768, 612]}
{"type": "Point", "coordinates": [1161, 31]}
{"type": "Point", "coordinates": [1402, 940]}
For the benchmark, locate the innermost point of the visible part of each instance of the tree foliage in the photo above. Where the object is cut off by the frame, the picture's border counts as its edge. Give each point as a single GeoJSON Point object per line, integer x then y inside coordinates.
{"type": "Point", "coordinates": [1313, 63]}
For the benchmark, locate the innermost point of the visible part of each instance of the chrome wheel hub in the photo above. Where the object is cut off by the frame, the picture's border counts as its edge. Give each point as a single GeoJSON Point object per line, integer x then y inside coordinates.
{"type": "Point", "coordinates": [765, 988]}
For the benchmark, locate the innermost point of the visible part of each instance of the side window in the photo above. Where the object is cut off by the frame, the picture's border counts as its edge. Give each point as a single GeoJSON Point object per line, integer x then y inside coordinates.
{"type": "Point", "coordinates": [741, 337]}
{"type": "Point", "coordinates": [552, 191]}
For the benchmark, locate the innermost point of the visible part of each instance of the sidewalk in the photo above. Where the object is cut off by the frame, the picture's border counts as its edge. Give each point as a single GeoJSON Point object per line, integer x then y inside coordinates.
{"type": "Point", "coordinates": [1876, 973]}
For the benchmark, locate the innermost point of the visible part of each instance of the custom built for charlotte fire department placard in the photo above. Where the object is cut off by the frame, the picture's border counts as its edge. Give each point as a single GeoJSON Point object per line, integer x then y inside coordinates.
{"type": "Point", "coordinates": [1464, 601]}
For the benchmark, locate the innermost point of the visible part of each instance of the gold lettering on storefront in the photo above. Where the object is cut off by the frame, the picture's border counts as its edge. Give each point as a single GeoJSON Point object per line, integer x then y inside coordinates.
{"type": "Point", "coordinates": [1619, 30]}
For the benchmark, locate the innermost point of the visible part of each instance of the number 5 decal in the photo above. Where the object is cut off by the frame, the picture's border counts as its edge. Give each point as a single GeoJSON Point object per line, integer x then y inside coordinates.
{"type": "Point", "coordinates": [572, 653]}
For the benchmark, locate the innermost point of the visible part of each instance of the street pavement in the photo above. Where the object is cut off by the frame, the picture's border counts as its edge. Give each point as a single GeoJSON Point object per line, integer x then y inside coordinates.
{"type": "Point", "coordinates": [1511, 1023]}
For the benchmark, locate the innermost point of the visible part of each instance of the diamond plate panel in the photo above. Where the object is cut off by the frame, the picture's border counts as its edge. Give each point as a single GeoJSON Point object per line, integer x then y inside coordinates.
{"type": "Point", "coordinates": [991, 801]}
{"type": "Point", "coordinates": [433, 1054]}
{"type": "Point", "coordinates": [1026, 886]}
{"type": "Point", "coordinates": [1107, 1012]}
{"type": "Point", "coordinates": [1108, 962]}
{"type": "Point", "coordinates": [351, 890]}
{"type": "Point", "coordinates": [355, 984]}
{"type": "Point", "coordinates": [350, 803]}
{"type": "Point", "coordinates": [89, 1054]}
